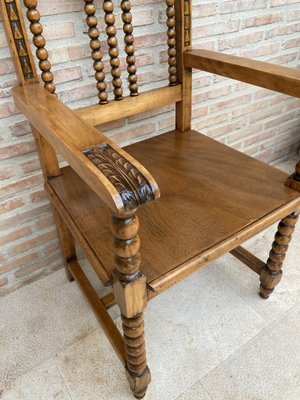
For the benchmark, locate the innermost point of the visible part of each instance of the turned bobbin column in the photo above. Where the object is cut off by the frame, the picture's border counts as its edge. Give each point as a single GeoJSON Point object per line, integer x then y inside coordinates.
{"type": "Point", "coordinates": [131, 295]}
{"type": "Point", "coordinates": [112, 41]}
{"type": "Point", "coordinates": [95, 45]}
{"type": "Point", "coordinates": [129, 46]}
{"type": "Point", "coordinates": [293, 181]}
{"type": "Point", "coordinates": [271, 275]}
{"type": "Point", "coordinates": [171, 42]}
{"type": "Point", "coordinates": [39, 41]}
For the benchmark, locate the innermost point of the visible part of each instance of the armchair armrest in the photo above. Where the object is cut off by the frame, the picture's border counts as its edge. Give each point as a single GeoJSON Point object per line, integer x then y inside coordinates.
{"type": "Point", "coordinates": [115, 176]}
{"type": "Point", "coordinates": [274, 77]}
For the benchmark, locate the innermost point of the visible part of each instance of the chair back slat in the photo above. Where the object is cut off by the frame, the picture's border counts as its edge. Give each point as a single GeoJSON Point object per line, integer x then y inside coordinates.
{"type": "Point", "coordinates": [113, 51]}
{"type": "Point", "coordinates": [129, 47]}
{"type": "Point", "coordinates": [39, 41]}
{"type": "Point", "coordinates": [171, 41]}
{"type": "Point", "coordinates": [96, 54]}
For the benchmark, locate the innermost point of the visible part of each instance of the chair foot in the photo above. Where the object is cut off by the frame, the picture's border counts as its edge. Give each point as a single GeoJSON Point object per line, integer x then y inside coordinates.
{"type": "Point", "coordinates": [271, 274]}
{"type": "Point", "coordinates": [139, 383]}
{"type": "Point", "coordinates": [68, 273]}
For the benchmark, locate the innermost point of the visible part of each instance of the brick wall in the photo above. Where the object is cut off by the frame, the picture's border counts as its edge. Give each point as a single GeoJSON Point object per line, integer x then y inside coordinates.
{"type": "Point", "coordinates": [258, 122]}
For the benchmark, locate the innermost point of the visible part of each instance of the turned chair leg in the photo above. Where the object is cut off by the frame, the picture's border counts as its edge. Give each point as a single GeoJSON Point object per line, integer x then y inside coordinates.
{"type": "Point", "coordinates": [271, 275]}
{"type": "Point", "coordinates": [67, 243]}
{"type": "Point", "coordinates": [131, 295]}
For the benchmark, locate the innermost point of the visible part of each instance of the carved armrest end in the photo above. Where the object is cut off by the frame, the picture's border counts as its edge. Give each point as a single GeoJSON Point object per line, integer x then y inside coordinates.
{"type": "Point", "coordinates": [132, 185]}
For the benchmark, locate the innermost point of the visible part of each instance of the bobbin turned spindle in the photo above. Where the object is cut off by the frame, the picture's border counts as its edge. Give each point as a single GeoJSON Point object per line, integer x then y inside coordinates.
{"type": "Point", "coordinates": [271, 275]}
{"type": "Point", "coordinates": [96, 54]}
{"type": "Point", "coordinates": [113, 51]}
{"type": "Point", "coordinates": [129, 47]}
{"type": "Point", "coordinates": [39, 41]}
{"type": "Point", "coordinates": [171, 42]}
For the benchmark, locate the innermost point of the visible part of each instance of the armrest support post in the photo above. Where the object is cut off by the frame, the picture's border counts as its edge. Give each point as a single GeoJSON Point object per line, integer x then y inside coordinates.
{"type": "Point", "coordinates": [293, 181]}
{"type": "Point", "coordinates": [131, 295]}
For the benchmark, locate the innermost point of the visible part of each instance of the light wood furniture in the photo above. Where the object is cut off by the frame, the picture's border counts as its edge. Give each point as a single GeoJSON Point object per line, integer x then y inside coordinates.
{"type": "Point", "coordinates": [145, 225]}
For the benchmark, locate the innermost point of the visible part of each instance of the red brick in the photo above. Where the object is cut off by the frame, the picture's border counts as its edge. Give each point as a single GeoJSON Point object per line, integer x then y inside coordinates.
{"type": "Point", "coordinates": [230, 102]}
{"type": "Point", "coordinates": [67, 74]}
{"type": "Point", "coordinates": [17, 262]}
{"type": "Point", "coordinates": [42, 263]}
{"type": "Point", "coordinates": [241, 40]}
{"type": "Point", "coordinates": [59, 7]}
{"type": "Point", "coordinates": [10, 205]}
{"type": "Point", "coordinates": [38, 196]}
{"type": "Point", "coordinates": [215, 29]}
{"type": "Point", "coordinates": [3, 282]}
{"type": "Point", "coordinates": [45, 223]}
{"type": "Point", "coordinates": [6, 66]}
{"type": "Point", "coordinates": [31, 166]}
{"type": "Point", "coordinates": [151, 113]}
{"type": "Point", "coordinates": [59, 30]}
{"type": "Point", "coordinates": [7, 109]}
{"type": "Point", "coordinates": [204, 9]}
{"type": "Point", "coordinates": [262, 20]}
{"type": "Point", "coordinates": [20, 128]}
{"type": "Point", "coordinates": [241, 5]}
{"type": "Point", "coordinates": [124, 136]}
{"type": "Point", "coordinates": [34, 242]}
{"type": "Point", "coordinates": [11, 237]}
{"type": "Point", "coordinates": [17, 149]}
{"type": "Point", "coordinates": [21, 185]}
{"type": "Point", "coordinates": [6, 173]}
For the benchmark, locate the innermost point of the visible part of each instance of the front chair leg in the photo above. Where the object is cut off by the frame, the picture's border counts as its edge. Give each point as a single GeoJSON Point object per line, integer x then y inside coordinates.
{"type": "Point", "coordinates": [271, 275]}
{"type": "Point", "coordinates": [131, 295]}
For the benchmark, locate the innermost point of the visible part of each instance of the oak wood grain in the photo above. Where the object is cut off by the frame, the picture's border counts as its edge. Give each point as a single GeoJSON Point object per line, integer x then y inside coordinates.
{"type": "Point", "coordinates": [95, 115]}
{"type": "Point", "coordinates": [205, 198]}
{"type": "Point", "coordinates": [270, 76]}
{"type": "Point", "coordinates": [69, 134]}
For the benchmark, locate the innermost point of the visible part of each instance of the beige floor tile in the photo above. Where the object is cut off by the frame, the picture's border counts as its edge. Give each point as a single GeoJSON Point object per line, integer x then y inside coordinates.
{"type": "Point", "coordinates": [267, 368]}
{"type": "Point", "coordinates": [189, 330]}
{"type": "Point", "coordinates": [246, 283]}
{"type": "Point", "coordinates": [39, 320]}
{"type": "Point", "coordinates": [41, 383]}
{"type": "Point", "coordinates": [196, 392]}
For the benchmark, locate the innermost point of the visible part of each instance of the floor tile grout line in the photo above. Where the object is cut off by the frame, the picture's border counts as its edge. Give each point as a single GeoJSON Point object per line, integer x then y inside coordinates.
{"type": "Point", "coordinates": [63, 379]}
{"type": "Point", "coordinates": [248, 341]}
{"type": "Point", "coordinates": [190, 387]}
{"type": "Point", "coordinates": [232, 354]}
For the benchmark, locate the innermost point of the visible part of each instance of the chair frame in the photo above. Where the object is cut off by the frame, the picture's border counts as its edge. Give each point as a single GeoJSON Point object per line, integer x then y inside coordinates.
{"type": "Point", "coordinates": [89, 150]}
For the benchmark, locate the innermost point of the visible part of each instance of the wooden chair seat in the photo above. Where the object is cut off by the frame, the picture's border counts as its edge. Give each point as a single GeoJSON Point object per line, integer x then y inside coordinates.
{"type": "Point", "coordinates": [148, 215]}
{"type": "Point", "coordinates": [206, 199]}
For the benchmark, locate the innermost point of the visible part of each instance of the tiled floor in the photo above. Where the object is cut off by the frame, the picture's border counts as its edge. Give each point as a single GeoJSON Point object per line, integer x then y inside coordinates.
{"type": "Point", "coordinates": [210, 337]}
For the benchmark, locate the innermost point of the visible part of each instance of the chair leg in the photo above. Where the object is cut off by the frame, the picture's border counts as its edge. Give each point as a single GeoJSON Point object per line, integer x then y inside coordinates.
{"type": "Point", "coordinates": [67, 243]}
{"type": "Point", "coordinates": [271, 275]}
{"type": "Point", "coordinates": [131, 295]}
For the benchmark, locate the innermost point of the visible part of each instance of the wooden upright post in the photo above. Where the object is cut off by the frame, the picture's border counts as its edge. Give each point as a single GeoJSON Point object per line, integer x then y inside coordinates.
{"type": "Point", "coordinates": [131, 295]}
{"type": "Point", "coordinates": [183, 15]}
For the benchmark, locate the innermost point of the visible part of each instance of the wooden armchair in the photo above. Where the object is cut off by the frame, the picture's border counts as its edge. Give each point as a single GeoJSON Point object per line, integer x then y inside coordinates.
{"type": "Point", "coordinates": [194, 204]}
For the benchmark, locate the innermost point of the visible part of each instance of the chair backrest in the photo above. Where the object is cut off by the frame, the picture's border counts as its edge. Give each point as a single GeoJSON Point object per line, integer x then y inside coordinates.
{"type": "Point", "coordinates": [178, 40]}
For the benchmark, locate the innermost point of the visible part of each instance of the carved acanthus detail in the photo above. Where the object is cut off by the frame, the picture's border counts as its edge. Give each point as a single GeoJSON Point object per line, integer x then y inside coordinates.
{"type": "Point", "coordinates": [132, 186]}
